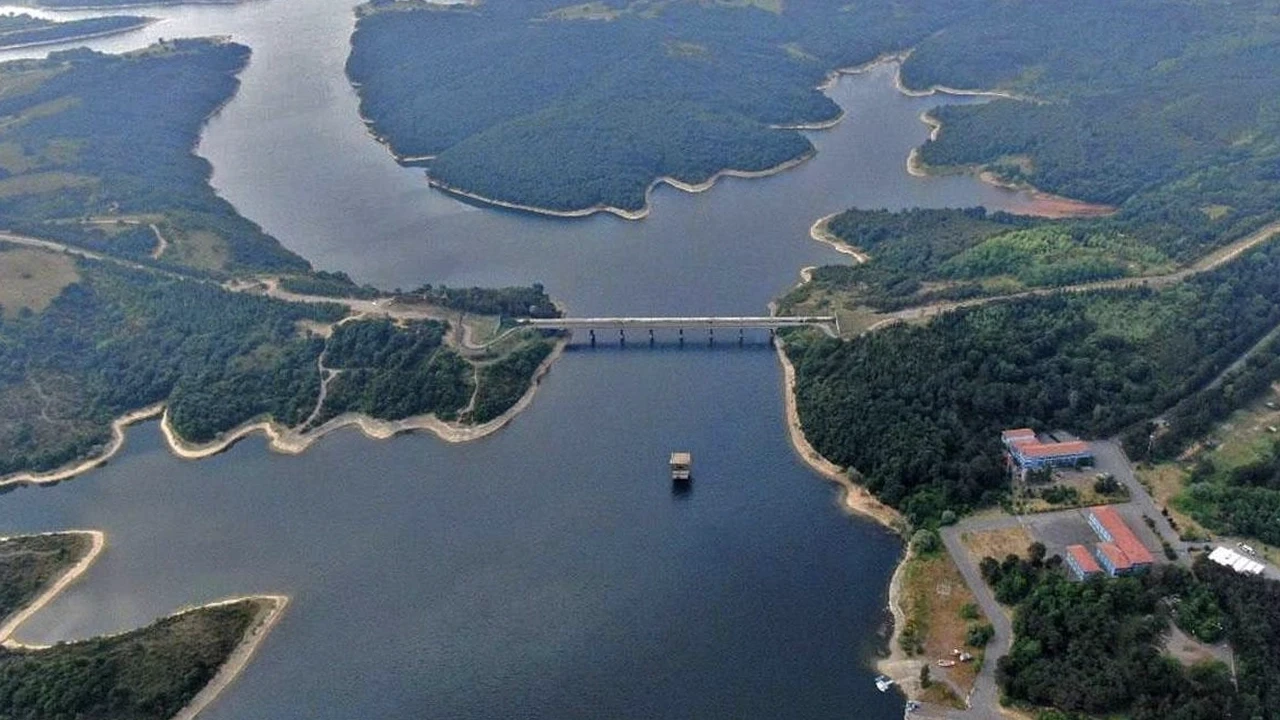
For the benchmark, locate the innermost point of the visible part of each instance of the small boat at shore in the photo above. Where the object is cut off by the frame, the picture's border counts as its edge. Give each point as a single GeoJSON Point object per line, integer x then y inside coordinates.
{"type": "Point", "coordinates": [883, 682]}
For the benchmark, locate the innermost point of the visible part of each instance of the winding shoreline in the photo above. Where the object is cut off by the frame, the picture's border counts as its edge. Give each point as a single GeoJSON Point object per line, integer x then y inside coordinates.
{"type": "Point", "coordinates": [270, 610]}
{"type": "Point", "coordinates": [854, 498]}
{"type": "Point", "coordinates": [820, 231]}
{"type": "Point", "coordinates": [290, 441]}
{"type": "Point", "coordinates": [66, 472]}
{"type": "Point", "coordinates": [1044, 204]}
{"type": "Point", "coordinates": [98, 543]}
{"type": "Point", "coordinates": [640, 214]}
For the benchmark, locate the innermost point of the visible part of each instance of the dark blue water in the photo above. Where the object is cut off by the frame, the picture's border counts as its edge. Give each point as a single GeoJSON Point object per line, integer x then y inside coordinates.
{"type": "Point", "coordinates": [548, 571]}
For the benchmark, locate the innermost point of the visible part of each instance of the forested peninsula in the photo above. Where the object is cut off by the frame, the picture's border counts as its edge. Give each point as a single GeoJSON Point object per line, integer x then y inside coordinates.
{"type": "Point", "coordinates": [129, 288]}
{"type": "Point", "coordinates": [578, 108]}
{"type": "Point", "coordinates": [170, 669]}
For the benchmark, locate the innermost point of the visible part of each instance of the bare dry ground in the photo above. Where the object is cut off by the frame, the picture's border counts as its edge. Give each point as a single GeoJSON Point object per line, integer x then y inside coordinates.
{"type": "Point", "coordinates": [32, 278]}
{"type": "Point", "coordinates": [1190, 651]}
{"type": "Point", "coordinates": [997, 543]}
{"type": "Point", "coordinates": [932, 596]}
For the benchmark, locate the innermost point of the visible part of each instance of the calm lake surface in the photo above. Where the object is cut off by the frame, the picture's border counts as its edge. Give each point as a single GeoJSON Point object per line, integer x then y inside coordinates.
{"type": "Point", "coordinates": [549, 571]}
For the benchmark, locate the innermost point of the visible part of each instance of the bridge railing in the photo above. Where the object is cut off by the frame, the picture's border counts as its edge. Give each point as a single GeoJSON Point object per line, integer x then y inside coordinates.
{"type": "Point", "coordinates": [687, 323]}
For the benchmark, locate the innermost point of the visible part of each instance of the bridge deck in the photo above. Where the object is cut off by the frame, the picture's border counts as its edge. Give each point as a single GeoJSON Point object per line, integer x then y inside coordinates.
{"type": "Point", "coordinates": [673, 323]}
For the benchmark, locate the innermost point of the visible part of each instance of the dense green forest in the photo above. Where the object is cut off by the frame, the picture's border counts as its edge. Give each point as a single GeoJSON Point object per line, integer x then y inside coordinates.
{"type": "Point", "coordinates": [921, 256]}
{"type": "Point", "coordinates": [147, 674]}
{"type": "Point", "coordinates": [570, 106]}
{"type": "Point", "coordinates": [1193, 418]}
{"type": "Point", "coordinates": [918, 410]}
{"type": "Point", "coordinates": [18, 30]}
{"type": "Point", "coordinates": [218, 358]}
{"type": "Point", "coordinates": [504, 381]}
{"type": "Point", "coordinates": [511, 302]}
{"type": "Point", "coordinates": [395, 372]}
{"type": "Point", "coordinates": [328, 284]}
{"type": "Point", "coordinates": [536, 103]}
{"type": "Point", "coordinates": [29, 563]}
{"type": "Point", "coordinates": [392, 372]}
{"type": "Point", "coordinates": [1096, 648]}
{"type": "Point", "coordinates": [85, 135]}
{"type": "Point", "coordinates": [1183, 113]}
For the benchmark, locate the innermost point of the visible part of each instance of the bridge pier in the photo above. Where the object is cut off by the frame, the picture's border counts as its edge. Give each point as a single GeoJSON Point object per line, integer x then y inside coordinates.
{"type": "Point", "coordinates": [652, 324]}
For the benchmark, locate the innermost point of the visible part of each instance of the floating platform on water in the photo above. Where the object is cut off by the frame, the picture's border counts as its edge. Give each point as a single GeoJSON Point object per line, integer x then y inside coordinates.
{"type": "Point", "coordinates": [681, 466]}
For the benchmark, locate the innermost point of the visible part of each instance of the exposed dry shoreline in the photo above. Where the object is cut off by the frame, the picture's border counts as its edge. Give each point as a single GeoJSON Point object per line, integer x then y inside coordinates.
{"type": "Point", "coordinates": [270, 609]}
{"type": "Point", "coordinates": [289, 440]}
{"type": "Point", "coordinates": [903, 670]}
{"type": "Point", "coordinates": [858, 500]}
{"type": "Point", "coordinates": [640, 214]}
{"type": "Point", "coordinates": [1043, 204]}
{"type": "Point", "coordinates": [855, 498]}
{"type": "Point", "coordinates": [118, 427]}
{"type": "Point", "coordinates": [73, 573]}
{"type": "Point", "coordinates": [820, 231]}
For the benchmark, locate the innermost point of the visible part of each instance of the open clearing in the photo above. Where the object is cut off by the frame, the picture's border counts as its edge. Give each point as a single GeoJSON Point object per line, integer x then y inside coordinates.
{"type": "Point", "coordinates": [32, 278]}
{"type": "Point", "coordinates": [933, 593]}
{"type": "Point", "coordinates": [997, 544]}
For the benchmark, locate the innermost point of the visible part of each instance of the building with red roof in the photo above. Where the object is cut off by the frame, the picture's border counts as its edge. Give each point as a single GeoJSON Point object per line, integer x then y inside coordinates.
{"type": "Point", "coordinates": [1029, 453]}
{"type": "Point", "coordinates": [1113, 531]}
{"type": "Point", "coordinates": [1081, 562]}
{"type": "Point", "coordinates": [1115, 561]}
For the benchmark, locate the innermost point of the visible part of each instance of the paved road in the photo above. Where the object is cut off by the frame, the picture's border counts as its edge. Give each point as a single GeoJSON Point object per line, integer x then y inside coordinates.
{"type": "Point", "coordinates": [1110, 457]}
{"type": "Point", "coordinates": [1208, 262]}
{"type": "Point", "coordinates": [984, 702]}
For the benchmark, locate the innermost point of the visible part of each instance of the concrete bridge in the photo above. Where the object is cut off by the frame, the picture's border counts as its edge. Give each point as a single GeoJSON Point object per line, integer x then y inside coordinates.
{"type": "Point", "coordinates": [828, 324]}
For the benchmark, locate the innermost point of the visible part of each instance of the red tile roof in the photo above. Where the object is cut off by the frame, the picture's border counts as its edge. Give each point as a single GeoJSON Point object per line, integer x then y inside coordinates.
{"type": "Point", "coordinates": [1122, 536]}
{"type": "Point", "coordinates": [1042, 450]}
{"type": "Point", "coordinates": [1118, 559]}
{"type": "Point", "coordinates": [1019, 434]}
{"type": "Point", "coordinates": [1083, 559]}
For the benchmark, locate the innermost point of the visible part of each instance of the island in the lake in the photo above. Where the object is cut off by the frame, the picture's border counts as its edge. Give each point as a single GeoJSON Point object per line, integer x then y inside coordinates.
{"type": "Point", "coordinates": [172, 668]}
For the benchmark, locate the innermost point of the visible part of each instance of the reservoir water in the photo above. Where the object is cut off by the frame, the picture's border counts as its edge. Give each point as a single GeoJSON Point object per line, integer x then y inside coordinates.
{"type": "Point", "coordinates": [548, 571]}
